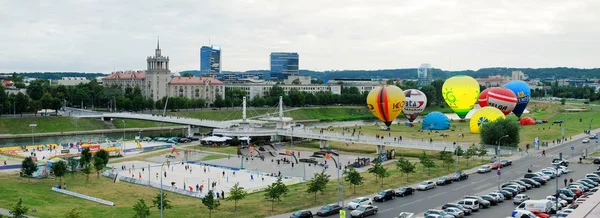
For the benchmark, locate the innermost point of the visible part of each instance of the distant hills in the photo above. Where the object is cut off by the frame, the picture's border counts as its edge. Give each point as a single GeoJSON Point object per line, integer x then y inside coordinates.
{"type": "Point", "coordinates": [410, 73]}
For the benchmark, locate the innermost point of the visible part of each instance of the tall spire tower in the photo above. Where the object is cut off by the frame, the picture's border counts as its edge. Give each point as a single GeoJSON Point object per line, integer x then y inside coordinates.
{"type": "Point", "coordinates": [157, 51]}
{"type": "Point", "coordinates": [157, 75]}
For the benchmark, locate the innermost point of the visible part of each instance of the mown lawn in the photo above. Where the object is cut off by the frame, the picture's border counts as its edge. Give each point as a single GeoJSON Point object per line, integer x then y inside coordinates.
{"type": "Point", "coordinates": [37, 194]}
{"type": "Point", "coordinates": [129, 123]}
{"type": "Point", "coordinates": [48, 124]}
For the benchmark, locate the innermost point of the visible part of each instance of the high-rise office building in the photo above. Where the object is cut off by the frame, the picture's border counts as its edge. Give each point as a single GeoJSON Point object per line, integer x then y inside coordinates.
{"type": "Point", "coordinates": [284, 64]}
{"type": "Point", "coordinates": [210, 59]}
{"type": "Point", "coordinates": [424, 75]}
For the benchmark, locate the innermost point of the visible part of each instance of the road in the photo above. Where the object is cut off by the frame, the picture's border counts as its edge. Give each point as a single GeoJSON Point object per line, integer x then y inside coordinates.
{"type": "Point", "coordinates": [478, 184]}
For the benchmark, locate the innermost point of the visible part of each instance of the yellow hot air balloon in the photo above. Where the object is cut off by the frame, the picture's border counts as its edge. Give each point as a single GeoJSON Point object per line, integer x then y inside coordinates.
{"type": "Point", "coordinates": [483, 116]}
{"type": "Point", "coordinates": [386, 102]}
{"type": "Point", "coordinates": [461, 93]}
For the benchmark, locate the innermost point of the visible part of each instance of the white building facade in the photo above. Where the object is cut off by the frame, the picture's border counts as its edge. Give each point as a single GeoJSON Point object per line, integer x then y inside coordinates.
{"type": "Point", "coordinates": [262, 90]}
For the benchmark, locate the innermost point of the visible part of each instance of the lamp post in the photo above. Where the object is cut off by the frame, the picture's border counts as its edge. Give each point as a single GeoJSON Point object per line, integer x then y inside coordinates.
{"type": "Point", "coordinates": [498, 160]}
{"type": "Point", "coordinates": [456, 151]}
{"type": "Point", "coordinates": [161, 188]}
{"type": "Point", "coordinates": [33, 125]}
{"type": "Point", "coordinates": [123, 135]}
{"type": "Point", "coordinates": [76, 127]}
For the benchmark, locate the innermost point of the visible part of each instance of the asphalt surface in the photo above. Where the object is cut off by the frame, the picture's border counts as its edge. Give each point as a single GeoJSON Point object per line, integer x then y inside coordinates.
{"type": "Point", "coordinates": [478, 184]}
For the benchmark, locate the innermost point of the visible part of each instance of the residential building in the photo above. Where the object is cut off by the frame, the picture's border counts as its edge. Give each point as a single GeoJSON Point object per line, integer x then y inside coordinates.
{"type": "Point", "coordinates": [363, 85]}
{"type": "Point", "coordinates": [262, 90]}
{"type": "Point", "coordinates": [232, 77]}
{"type": "Point", "coordinates": [424, 75]}
{"type": "Point", "coordinates": [519, 75]}
{"type": "Point", "coordinates": [299, 80]}
{"type": "Point", "coordinates": [491, 81]}
{"type": "Point", "coordinates": [72, 81]}
{"type": "Point", "coordinates": [284, 65]}
{"type": "Point", "coordinates": [210, 59]}
{"type": "Point", "coordinates": [156, 82]}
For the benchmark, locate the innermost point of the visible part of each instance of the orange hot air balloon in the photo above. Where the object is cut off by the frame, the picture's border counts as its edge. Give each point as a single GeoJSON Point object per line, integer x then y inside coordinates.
{"type": "Point", "coordinates": [386, 102]}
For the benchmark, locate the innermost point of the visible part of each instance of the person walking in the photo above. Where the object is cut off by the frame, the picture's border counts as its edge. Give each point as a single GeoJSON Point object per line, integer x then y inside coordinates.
{"type": "Point", "coordinates": [222, 194]}
{"type": "Point", "coordinates": [571, 180]}
{"type": "Point", "coordinates": [565, 182]}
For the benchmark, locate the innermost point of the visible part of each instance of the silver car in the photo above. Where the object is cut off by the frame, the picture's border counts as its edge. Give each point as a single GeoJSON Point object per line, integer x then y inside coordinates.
{"type": "Point", "coordinates": [457, 213]}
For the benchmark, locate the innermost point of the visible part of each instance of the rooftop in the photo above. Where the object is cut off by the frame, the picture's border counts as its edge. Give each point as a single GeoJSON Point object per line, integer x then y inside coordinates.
{"type": "Point", "coordinates": [178, 80]}
{"type": "Point", "coordinates": [126, 75]}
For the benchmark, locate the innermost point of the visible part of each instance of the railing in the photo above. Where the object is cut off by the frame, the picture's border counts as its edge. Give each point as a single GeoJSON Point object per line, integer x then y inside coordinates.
{"type": "Point", "coordinates": [89, 198]}
{"type": "Point", "coordinates": [160, 118]}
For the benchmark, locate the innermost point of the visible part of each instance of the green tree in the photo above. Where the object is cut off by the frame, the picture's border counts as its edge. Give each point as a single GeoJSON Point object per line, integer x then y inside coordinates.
{"type": "Point", "coordinates": [19, 211]}
{"type": "Point", "coordinates": [318, 183]}
{"type": "Point", "coordinates": [46, 101]}
{"type": "Point", "coordinates": [86, 157]}
{"type": "Point", "coordinates": [73, 213]}
{"type": "Point", "coordinates": [3, 99]}
{"type": "Point", "coordinates": [275, 191]}
{"type": "Point", "coordinates": [187, 74]}
{"type": "Point", "coordinates": [353, 177]}
{"type": "Point", "coordinates": [35, 106]}
{"type": "Point", "coordinates": [28, 167]}
{"type": "Point", "coordinates": [141, 209]}
{"type": "Point", "coordinates": [22, 103]}
{"type": "Point", "coordinates": [427, 162]}
{"type": "Point", "coordinates": [98, 165]}
{"type": "Point", "coordinates": [458, 151]}
{"type": "Point", "coordinates": [103, 155]}
{"type": "Point", "coordinates": [87, 170]}
{"type": "Point", "coordinates": [429, 91]}
{"type": "Point", "coordinates": [563, 100]}
{"type": "Point", "coordinates": [56, 104]}
{"type": "Point", "coordinates": [492, 131]}
{"type": "Point", "coordinates": [482, 151]}
{"type": "Point", "coordinates": [236, 193]}
{"type": "Point", "coordinates": [405, 166]}
{"type": "Point", "coordinates": [472, 151]}
{"type": "Point", "coordinates": [166, 203]}
{"type": "Point", "coordinates": [379, 171]}
{"type": "Point", "coordinates": [210, 202]}
{"type": "Point", "coordinates": [447, 159]}
{"type": "Point", "coordinates": [59, 169]}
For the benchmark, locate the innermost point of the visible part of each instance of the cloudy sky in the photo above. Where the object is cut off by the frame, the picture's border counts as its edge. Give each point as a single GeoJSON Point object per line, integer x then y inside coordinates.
{"type": "Point", "coordinates": [102, 35]}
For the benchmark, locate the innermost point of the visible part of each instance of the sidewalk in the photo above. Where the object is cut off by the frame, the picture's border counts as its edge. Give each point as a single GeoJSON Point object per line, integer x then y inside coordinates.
{"type": "Point", "coordinates": [513, 157]}
{"type": "Point", "coordinates": [5, 212]}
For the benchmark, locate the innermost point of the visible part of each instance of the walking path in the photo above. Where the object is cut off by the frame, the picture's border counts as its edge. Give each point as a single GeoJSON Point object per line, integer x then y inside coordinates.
{"type": "Point", "coordinates": [5, 212]}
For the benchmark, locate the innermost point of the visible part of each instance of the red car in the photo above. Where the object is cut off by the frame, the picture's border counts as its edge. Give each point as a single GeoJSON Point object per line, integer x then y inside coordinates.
{"type": "Point", "coordinates": [495, 165]}
{"type": "Point", "coordinates": [577, 191]}
{"type": "Point", "coordinates": [539, 214]}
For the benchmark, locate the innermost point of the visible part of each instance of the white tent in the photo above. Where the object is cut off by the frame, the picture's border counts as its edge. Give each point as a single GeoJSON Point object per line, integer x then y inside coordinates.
{"type": "Point", "coordinates": [245, 138]}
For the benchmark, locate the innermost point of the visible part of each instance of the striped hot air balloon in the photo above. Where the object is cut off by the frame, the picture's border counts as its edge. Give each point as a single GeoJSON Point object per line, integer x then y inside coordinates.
{"type": "Point", "coordinates": [386, 103]}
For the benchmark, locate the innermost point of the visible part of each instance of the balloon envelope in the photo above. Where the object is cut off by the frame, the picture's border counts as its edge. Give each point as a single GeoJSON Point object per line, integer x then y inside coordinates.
{"type": "Point", "coordinates": [461, 94]}
{"type": "Point", "coordinates": [483, 98]}
{"type": "Point", "coordinates": [415, 104]}
{"type": "Point", "coordinates": [527, 121]}
{"type": "Point", "coordinates": [386, 102]}
{"type": "Point", "coordinates": [503, 99]}
{"type": "Point", "coordinates": [523, 92]}
{"type": "Point", "coordinates": [484, 116]}
{"type": "Point", "coordinates": [436, 121]}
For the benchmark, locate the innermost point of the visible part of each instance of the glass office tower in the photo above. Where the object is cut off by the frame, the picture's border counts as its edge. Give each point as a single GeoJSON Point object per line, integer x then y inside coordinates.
{"type": "Point", "coordinates": [284, 64]}
{"type": "Point", "coordinates": [210, 59]}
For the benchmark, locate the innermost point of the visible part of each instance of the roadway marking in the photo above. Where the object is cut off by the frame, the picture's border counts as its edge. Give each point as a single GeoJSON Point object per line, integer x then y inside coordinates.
{"type": "Point", "coordinates": [437, 194]}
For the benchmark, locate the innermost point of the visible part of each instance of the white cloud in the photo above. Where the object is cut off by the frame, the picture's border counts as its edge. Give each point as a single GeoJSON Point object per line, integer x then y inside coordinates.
{"type": "Point", "coordinates": [97, 35]}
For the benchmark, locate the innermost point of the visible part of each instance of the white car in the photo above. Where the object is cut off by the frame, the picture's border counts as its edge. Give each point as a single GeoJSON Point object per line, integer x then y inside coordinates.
{"type": "Point", "coordinates": [589, 175]}
{"type": "Point", "coordinates": [426, 185]}
{"type": "Point", "coordinates": [520, 198]}
{"type": "Point", "coordinates": [362, 201]}
{"type": "Point", "coordinates": [498, 196]}
{"type": "Point", "coordinates": [561, 201]}
{"type": "Point", "coordinates": [564, 169]}
{"type": "Point", "coordinates": [484, 169]}
{"type": "Point", "coordinates": [585, 141]}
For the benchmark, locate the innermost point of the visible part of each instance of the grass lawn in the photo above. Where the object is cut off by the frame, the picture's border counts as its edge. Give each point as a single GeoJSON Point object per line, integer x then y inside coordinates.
{"type": "Point", "coordinates": [220, 114]}
{"type": "Point", "coordinates": [37, 194]}
{"type": "Point", "coordinates": [48, 124]}
{"type": "Point", "coordinates": [129, 123]}
{"type": "Point", "coordinates": [141, 157]}
{"type": "Point", "coordinates": [212, 157]}
{"type": "Point", "coordinates": [225, 149]}
{"type": "Point", "coordinates": [595, 154]}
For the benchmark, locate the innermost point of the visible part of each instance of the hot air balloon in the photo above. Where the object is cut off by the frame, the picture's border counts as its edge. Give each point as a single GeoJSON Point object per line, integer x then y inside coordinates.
{"type": "Point", "coordinates": [527, 121]}
{"type": "Point", "coordinates": [503, 99]}
{"type": "Point", "coordinates": [436, 121]}
{"type": "Point", "coordinates": [386, 103]}
{"type": "Point", "coordinates": [483, 98]}
{"type": "Point", "coordinates": [522, 91]}
{"type": "Point", "coordinates": [415, 104]}
{"type": "Point", "coordinates": [483, 116]}
{"type": "Point", "coordinates": [461, 93]}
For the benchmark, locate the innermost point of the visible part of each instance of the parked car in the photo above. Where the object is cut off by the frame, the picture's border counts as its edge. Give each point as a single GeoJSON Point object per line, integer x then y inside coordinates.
{"type": "Point", "coordinates": [513, 191]}
{"type": "Point", "coordinates": [559, 161]}
{"type": "Point", "coordinates": [540, 214]}
{"type": "Point", "coordinates": [472, 204]}
{"type": "Point", "coordinates": [302, 214]}
{"type": "Point", "coordinates": [506, 162]}
{"type": "Point", "coordinates": [438, 212]}
{"type": "Point", "coordinates": [585, 141]}
{"type": "Point", "coordinates": [426, 185]}
{"type": "Point", "coordinates": [531, 182]}
{"type": "Point", "coordinates": [467, 211]}
{"type": "Point", "coordinates": [484, 169]}
{"type": "Point", "coordinates": [364, 211]}
{"type": "Point", "coordinates": [520, 198]}
{"type": "Point", "coordinates": [401, 192]}
{"type": "Point", "coordinates": [496, 165]}
{"type": "Point", "coordinates": [492, 200]}
{"type": "Point", "coordinates": [483, 203]}
{"type": "Point", "coordinates": [568, 193]}
{"type": "Point", "coordinates": [562, 202]}
{"type": "Point", "coordinates": [589, 181]}
{"type": "Point", "coordinates": [528, 186]}
{"type": "Point", "coordinates": [459, 176]}
{"type": "Point", "coordinates": [384, 195]}
{"type": "Point", "coordinates": [507, 195]}
{"type": "Point", "coordinates": [564, 213]}
{"type": "Point", "coordinates": [597, 160]}
{"type": "Point", "coordinates": [329, 210]}
{"type": "Point", "coordinates": [499, 197]}
{"type": "Point", "coordinates": [540, 180]}
{"type": "Point", "coordinates": [361, 201]}
{"type": "Point", "coordinates": [455, 212]}
{"type": "Point", "coordinates": [444, 180]}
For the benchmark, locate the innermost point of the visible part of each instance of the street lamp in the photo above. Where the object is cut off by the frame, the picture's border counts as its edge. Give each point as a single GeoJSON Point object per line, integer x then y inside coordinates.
{"type": "Point", "coordinates": [123, 135]}
{"type": "Point", "coordinates": [498, 159]}
{"type": "Point", "coordinates": [161, 188]}
{"type": "Point", "coordinates": [33, 125]}
{"type": "Point", "coordinates": [456, 151]}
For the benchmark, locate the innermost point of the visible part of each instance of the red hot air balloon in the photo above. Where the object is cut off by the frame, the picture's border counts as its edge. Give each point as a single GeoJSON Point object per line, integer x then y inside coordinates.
{"type": "Point", "coordinates": [483, 98]}
{"type": "Point", "coordinates": [527, 121]}
{"type": "Point", "coordinates": [503, 99]}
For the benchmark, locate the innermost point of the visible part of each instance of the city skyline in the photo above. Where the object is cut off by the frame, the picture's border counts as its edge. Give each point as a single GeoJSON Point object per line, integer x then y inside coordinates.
{"type": "Point", "coordinates": [454, 35]}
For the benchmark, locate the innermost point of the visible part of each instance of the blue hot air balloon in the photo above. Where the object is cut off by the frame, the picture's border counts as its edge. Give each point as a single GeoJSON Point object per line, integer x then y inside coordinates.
{"type": "Point", "coordinates": [523, 92]}
{"type": "Point", "coordinates": [436, 121]}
